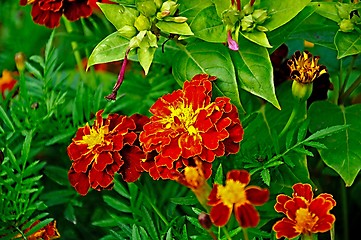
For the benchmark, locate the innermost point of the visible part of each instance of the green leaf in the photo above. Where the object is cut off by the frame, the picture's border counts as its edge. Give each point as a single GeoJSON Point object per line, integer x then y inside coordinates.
{"type": "Point", "coordinates": [254, 70]}
{"type": "Point", "coordinates": [145, 56]}
{"type": "Point", "coordinates": [117, 204]}
{"type": "Point", "coordinates": [266, 177]}
{"type": "Point", "coordinates": [119, 15]}
{"type": "Point", "coordinates": [175, 28]}
{"type": "Point", "coordinates": [221, 5]}
{"type": "Point", "coordinates": [326, 132]}
{"type": "Point", "coordinates": [315, 145]}
{"type": "Point", "coordinates": [135, 233]}
{"type": "Point", "coordinates": [191, 9]}
{"type": "Point", "coordinates": [347, 43]}
{"type": "Point", "coordinates": [282, 12]}
{"type": "Point", "coordinates": [26, 146]}
{"type": "Point", "coordinates": [257, 37]}
{"type": "Point", "coordinates": [69, 214]}
{"type": "Point", "coordinates": [303, 130]}
{"type": "Point", "coordinates": [213, 59]}
{"type": "Point", "coordinates": [6, 119]}
{"type": "Point", "coordinates": [343, 153]}
{"type": "Point", "coordinates": [112, 48]}
{"type": "Point", "coordinates": [149, 224]}
{"type": "Point", "coordinates": [207, 26]}
{"type": "Point", "coordinates": [218, 178]}
{"type": "Point", "coordinates": [39, 226]}
{"type": "Point", "coordinates": [189, 200]}
{"type": "Point", "coordinates": [303, 151]}
{"type": "Point", "coordinates": [327, 10]}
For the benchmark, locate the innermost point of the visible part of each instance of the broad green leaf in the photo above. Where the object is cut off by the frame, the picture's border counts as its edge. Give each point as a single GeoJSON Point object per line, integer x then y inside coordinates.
{"type": "Point", "coordinates": [112, 48]}
{"type": "Point", "coordinates": [213, 59]}
{"type": "Point", "coordinates": [190, 9]}
{"type": "Point", "coordinates": [254, 70]}
{"type": "Point", "coordinates": [145, 56]}
{"type": "Point", "coordinates": [347, 43]}
{"type": "Point", "coordinates": [69, 214]}
{"type": "Point", "coordinates": [175, 28]}
{"type": "Point", "coordinates": [207, 26]}
{"type": "Point", "coordinates": [282, 12]}
{"type": "Point", "coordinates": [119, 15]}
{"type": "Point", "coordinates": [257, 37]}
{"type": "Point", "coordinates": [221, 5]}
{"type": "Point", "coordinates": [327, 10]}
{"type": "Point", "coordinates": [343, 153]}
{"type": "Point", "coordinates": [266, 177]}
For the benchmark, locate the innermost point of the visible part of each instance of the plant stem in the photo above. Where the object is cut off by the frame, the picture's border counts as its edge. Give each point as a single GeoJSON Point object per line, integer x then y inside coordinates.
{"type": "Point", "coordinates": [21, 232]}
{"type": "Point", "coordinates": [295, 110]}
{"type": "Point", "coordinates": [344, 209]}
{"type": "Point", "coordinates": [226, 233]}
{"type": "Point", "coordinates": [349, 70]}
{"type": "Point", "coordinates": [251, 3]}
{"type": "Point", "coordinates": [353, 86]}
{"type": "Point", "coordinates": [74, 46]}
{"type": "Point", "coordinates": [239, 7]}
{"type": "Point", "coordinates": [245, 234]}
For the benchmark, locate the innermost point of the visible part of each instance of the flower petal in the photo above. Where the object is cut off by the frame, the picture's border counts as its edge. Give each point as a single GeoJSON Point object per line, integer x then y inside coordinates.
{"type": "Point", "coordinates": [103, 159]}
{"type": "Point", "coordinates": [220, 214]}
{"type": "Point", "coordinates": [285, 228]}
{"type": "Point", "coordinates": [246, 215]}
{"type": "Point", "coordinates": [303, 190]}
{"type": "Point", "coordinates": [281, 201]}
{"type": "Point", "coordinates": [239, 175]}
{"type": "Point", "coordinates": [131, 169]}
{"type": "Point", "coordinates": [82, 164]}
{"type": "Point", "coordinates": [79, 181]}
{"type": "Point", "coordinates": [256, 195]}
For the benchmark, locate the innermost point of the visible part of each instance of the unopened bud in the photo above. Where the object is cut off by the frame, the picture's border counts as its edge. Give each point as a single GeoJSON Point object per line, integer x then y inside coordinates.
{"type": "Point", "coordinates": [20, 61]}
{"type": "Point", "coordinates": [158, 3]}
{"type": "Point", "coordinates": [175, 19]}
{"type": "Point", "coordinates": [169, 7]}
{"type": "Point", "coordinates": [205, 220]}
{"type": "Point", "coordinates": [346, 25]}
{"type": "Point", "coordinates": [127, 31]}
{"type": "Point", "coordinates": [248, 9]}
{"type": "Point", "coordinates": [136, 40]}
{"type": "Point", "coordinates": [142, 23]}
{"type": "Point", "coordinates": [343, 10]}
{"type": "Point", "coordinates": [259, 16]}
{"type": "Point", "coordinates": [301, 91]}
{"type": "Point", "coordinates": [247, 23]}
{"type": "Point", "coordinates": [262, 28]}
{"type": "Point", "coordinates": [147, 8]}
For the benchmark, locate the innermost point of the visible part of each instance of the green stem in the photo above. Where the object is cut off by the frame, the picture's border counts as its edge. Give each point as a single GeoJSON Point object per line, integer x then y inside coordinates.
{"type": "Point", "coordinates": [344, 210]}
{"type": "Point", "coordinates": [295, 110]}
{"type": "Point", "coordinates": [23, 89]}
{"type": "Point", "coordinates": [307, 237]}
{"type": "Point", "coordinates": [74, 46]}
{"type": "Point", "coordinates": [349, 70]}
{"type": "Point", "coordinates": [353, 86]}
{"type": "Point", "coordinates": [245, 234]}
{"type": "Point", "coordinates": [21, 232]}
{"type": "Point", "coordinates": [225, 231]}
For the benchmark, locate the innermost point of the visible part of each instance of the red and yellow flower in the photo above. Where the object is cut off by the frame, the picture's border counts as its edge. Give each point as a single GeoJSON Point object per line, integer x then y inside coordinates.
{"type": "Point", "coordinates": [187, 129]}
{"type": "Point", "coordinates": [109, 146]}
{"type": "Point", "coordinates": [46, 233]}
{"type": "Point", "coordinates": [7, 82]}
{"type": "Point", "coordinates": [237, 196]}
{"type": "Point", "coordinates": [304, 214]}
{"type": "Point", "coordinates": [49, 12]}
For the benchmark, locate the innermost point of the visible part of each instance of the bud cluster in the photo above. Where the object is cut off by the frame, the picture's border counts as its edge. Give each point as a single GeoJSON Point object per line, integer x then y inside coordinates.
{"type": "Point", "coordinates": [350, 16]}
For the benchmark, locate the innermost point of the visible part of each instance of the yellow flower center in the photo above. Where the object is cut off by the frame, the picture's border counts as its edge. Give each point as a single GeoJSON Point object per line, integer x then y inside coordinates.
{"type": "Point", "coordinates": [95, 137]}
{"type": "Point", "coordinates": [232, 193]}
{"type": "Point", "coordinates": [184, 117]}
{"type": "Point", "coordinates": [305, 220]}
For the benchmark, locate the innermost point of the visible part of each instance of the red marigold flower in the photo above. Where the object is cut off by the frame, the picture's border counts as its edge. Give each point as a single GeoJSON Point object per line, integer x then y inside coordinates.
{"type": "Point", "coordinates": [238, 196]}
{"type": "Point", "coordinates": [46, 233]}
{"type": "Point", "coordinates": [187, 124]}
{"type": "Point", "coordinates": [49, 12]}
{"type": "Point", "coordinates": [109, 146]}
{"type": "Point", "coordinates": [304, 214]}
{"type": "Point", "coordinates": [7, 82]}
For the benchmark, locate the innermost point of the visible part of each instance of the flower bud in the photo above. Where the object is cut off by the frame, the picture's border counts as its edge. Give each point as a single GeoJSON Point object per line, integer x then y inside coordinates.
{"type": "Point", "coordinates": [175, 19]}
{"type": "Point", "coordinates": [343, 10]}
{"type": "Point", "coordinates": [169, 8]}
{"type": "Point", "coordinates": [20, 61]}
{"type": "Point", "coordinates": [301, 91]}
{"type": "Point", "coordinates": [205, 220]}
{"type": "Point", "coordinates": [137, 40]}
{"type": "Point", "coordinates": [142, 23]}
{"type": "Point", "coordinates": [346, 25]}
{"type": "Point", "coordinates": [247, 23]}
{"type": "Point", "coordinates": [260, 15]}
{"type": "Point", "coordinates": [248, 9]}
{"type": "Point", "coordinates": [230, 17]}
{"type": "Point", "coordinates": [127, 31]}
{"type": "Point", "coordinates": [262, 28]}
{"type": "Point", "coordinates": [147, 8]}
{"type": "Point", "coordinates": [158, 3]}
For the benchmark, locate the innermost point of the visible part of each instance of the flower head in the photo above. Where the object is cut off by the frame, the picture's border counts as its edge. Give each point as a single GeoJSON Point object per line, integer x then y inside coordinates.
{"type": "Point", "coordinates": [7, 82]}
{"type": "Point", "coordinates": [49, 12]}
{"type": "Point", "coordinates": [304, 214]}
{"type": "Point", "coordinates": [109, 146]}
{"type": "Point", "coordinates": [238, 196]}
{"type": "Point", "coordinates": [305, 68]}
{"type": "Point", "coordinates": [186, 125]}
{"type": "Point", "coordinates": [46, 233]}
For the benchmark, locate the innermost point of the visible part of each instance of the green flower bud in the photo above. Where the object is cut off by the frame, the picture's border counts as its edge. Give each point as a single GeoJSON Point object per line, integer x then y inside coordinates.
{"type": "Point", "coordinates": [20, 61]}
{"type": "Point", "coordinates": [175, 19]}
{"type": "Point", "coordinates": [248, 9]}
{"type": "Point", "coordinates": [346, 25]}
{"type": "Point", "coordinates": [137, 40]}
{"type": "Point", "coordinates": [259, 16]}
{"type": "Point", "coordinates": [152, 39]}
{"type": "Point", "coordinates": [247, 23]}
{"type": "Point", "coordinates": [169, 8]}
{"type": "Point", "coordinates": [343, 10]}
{"type": "Point", "coordinates": [142, 23]}
{"type": "Point", "coordinates": [147, 8]}
{"type": "Point", "coordinates": [127, 31]}
{"type": "Point", "coordinates": [301, 91]}
{"type": "Point", "coordinates": [230, 17]}
{"type": "Point", "coordinates": [158, 3]}
{"type": "Point", "coordinates": [262, 28]}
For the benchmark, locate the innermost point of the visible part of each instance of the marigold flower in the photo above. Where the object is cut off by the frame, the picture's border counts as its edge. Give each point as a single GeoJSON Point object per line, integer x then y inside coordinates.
{"type": "Point", "coordinates": [185, 125]}
{"type": "Point", "coordinates": [7, 82]}
{"type": "Point", "coordinates": [238, 196]}
{"type": "Point", "coordinates": [46, 233]}
{"type": "Point", "coordinates": [49, 12]}
{"type": "Point", "coordinates": [109, 146]}
{"type": "Point", "coordinates": [304, 214]}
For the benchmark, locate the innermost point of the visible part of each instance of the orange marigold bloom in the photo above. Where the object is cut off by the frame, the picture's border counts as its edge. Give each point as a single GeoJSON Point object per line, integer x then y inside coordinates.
{"type": "Point", "coordinates": [238, 196]}
{"type": "Point", "coordinates": [7, 82]}
{"type": "Point", "coordinates": [304, 214]}
{"type": "Point", "coordinates": [109, 146]}
{"type": "Point", "coordinates": [187, 124]}
{"type": "Point", "coordinates": [46, 233]}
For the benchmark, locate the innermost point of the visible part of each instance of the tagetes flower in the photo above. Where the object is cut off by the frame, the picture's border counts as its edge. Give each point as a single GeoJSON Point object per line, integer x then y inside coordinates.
{"type": "Point", "coordinates": [46, 233]}
{"type": "Point", "coordinates": [109, 146]}
{"type": "Point", "coordinates": [186, 124]}
{"type": "Point", "coordinates": [237, 196]}
{"type": "Point", "coordinates": [304, 67]}
{"type": "Point", "coordinates": [304, 214]}
{"type": "Point", "coordinates": [7, 82]}
{"type": "Point", "coordinates": [49, 12]}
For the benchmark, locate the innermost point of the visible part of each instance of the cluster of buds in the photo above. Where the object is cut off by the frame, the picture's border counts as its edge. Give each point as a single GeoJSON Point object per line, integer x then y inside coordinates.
{"type": "Point", "coordinates": [350, 16]}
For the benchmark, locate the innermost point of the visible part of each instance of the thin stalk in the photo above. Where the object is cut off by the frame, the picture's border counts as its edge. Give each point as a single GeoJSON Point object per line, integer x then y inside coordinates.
{"type": "Point", "coordinates": [21, 232]}
{"type": "Point", "coordinates": [349, 70]}
{"type": "Point", "coordinates": [307, 237]}
{"type": "Point", "coordinates": [225, 231]}
{"type": "Point", "coordinates": [295, 110]}
{"type": "Point", "coordinates": [74, 46]}
{"type": "Point", "coordinates": [344, 210]}
{"type": "Point", "coordinates": [353, 86]}
{"type": "Point", "coordinates": [251, 2]}
{"type": "Point", "coordinates": [239, 6]}
{"type": "Point", "coordinates": [23, 90]}
{"type": "Point", "coordinates": [245, 234]}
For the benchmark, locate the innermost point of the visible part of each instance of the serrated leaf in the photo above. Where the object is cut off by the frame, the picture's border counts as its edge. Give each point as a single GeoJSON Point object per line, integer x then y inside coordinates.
{"type": "Point", "coordinates": [254, 70]}
{"type": "Point", "coordinates": [194, 221]}
{"type": "Point", "coordinates": [57, 174]}
{"type": "Point", "coordinates": [257, 37]}
{"type": "Point", "coordinates": [117, 204]}
{"type": "Point", "coordinates": [347, 44]}
{"type": "Point", "coordinates": [38, 226]}
{"type": "Point", "coordinates": [343, 153]}
{"type": "Point", "coordinates": [218, 178]}
{"type": "Point", "coordinates": [213, 59]}
{"type": "Point", "coordinates": [135, 232]}
{"type": "Point", "coordinates": [266, 177]}
{"type": "Point", "coordinates": [60, 137]}
{"type": "Point", "coordinates": [207, 25]}
{"type": "Point", "coordinates": [145, 56]}
{"type": "Point", "coordinates": [289, 138]}
{"type": "Point", "coordinates": [149, 224]}
{"type": "Point", "coordinates": [288, 161]}
{"type": "Point", "coordinates": [119, 15]}
{"type": "Point", "coordinates": [302, 131]}
{"type": "Point", "coordinates": [315, 145]}
{"type": "Point", "coordinates": [303, 151]}
{"type": "Point", "coordinates": [175, 28]}
{"type": "Point", "coordinates": [6, 119]}
{"type": "Point", "coordinates": [281, 12]}
{"type": "Point", "coordinates": [26, 147]}
{"type": "Point", "coordinates": [119, 188]}
{"type": "Point", "coordinates": [112, 48]}
{"type": "Point", "coordinates": [189, 200]}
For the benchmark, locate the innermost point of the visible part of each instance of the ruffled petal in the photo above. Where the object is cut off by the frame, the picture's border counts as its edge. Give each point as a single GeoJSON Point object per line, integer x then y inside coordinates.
{"type": "Point", "coordinates": [303, 190]}
{"type": "Point", "coordinates": [281, 201]}
{"type": "Point", "coordinates": [239, 175]}
{"type": "Point", "coordinates": [79, 181]}
{"type": "Point", "coordinates": [285, 228]}
{"type": "Point", "coordinates": [131, 169]}
{"type": "Point", "coordinates": [220, 214]}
